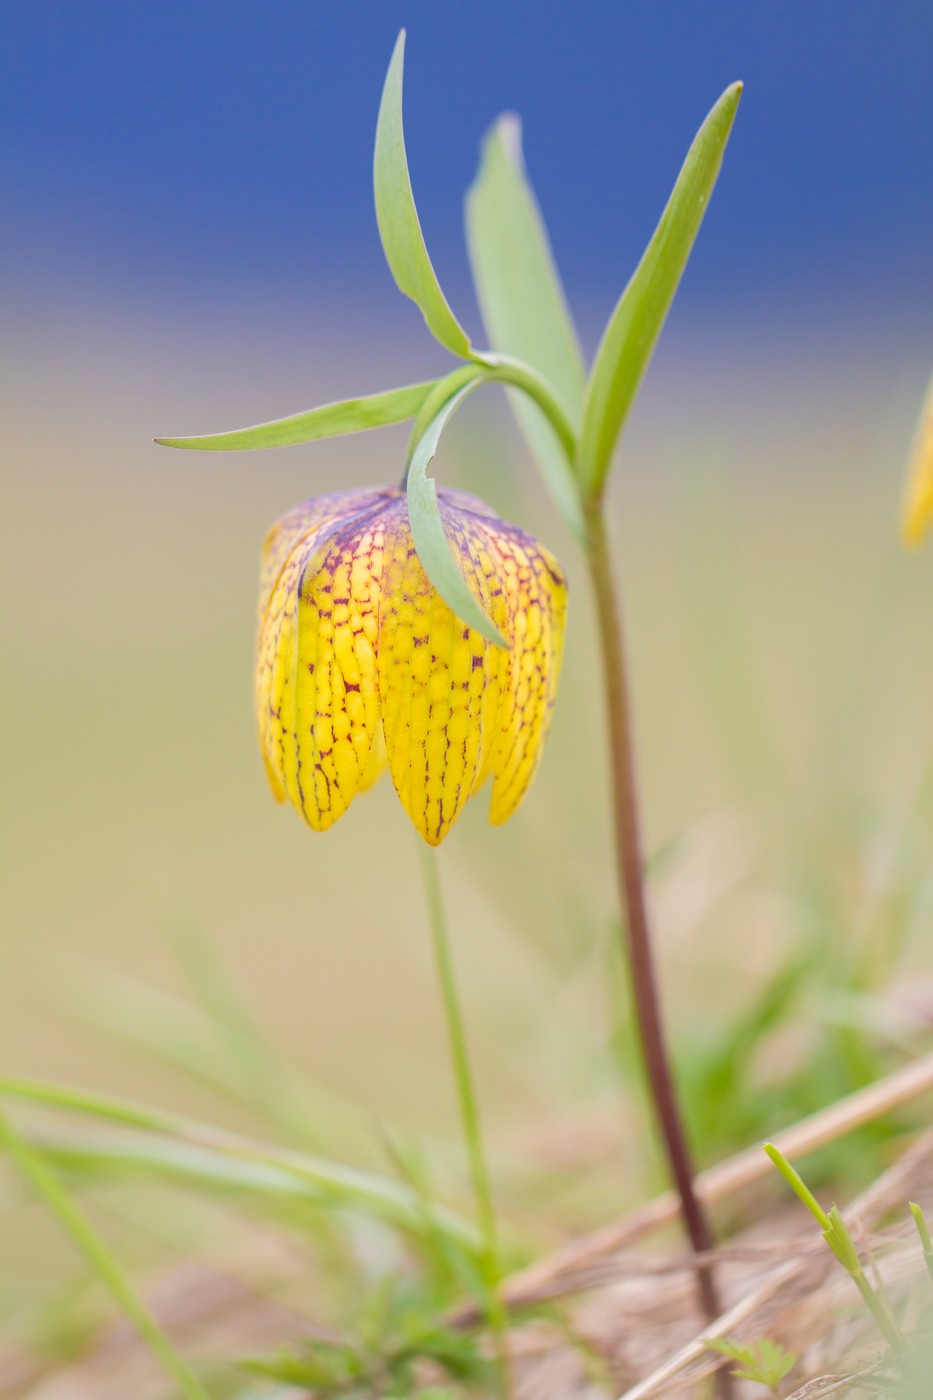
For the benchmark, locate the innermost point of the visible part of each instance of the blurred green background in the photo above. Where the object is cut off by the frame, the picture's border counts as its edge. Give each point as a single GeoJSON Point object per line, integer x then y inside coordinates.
{"type": "Point", "coordinates": [779, 640]}
{"type": "Point", "coordinates": [782, 676]}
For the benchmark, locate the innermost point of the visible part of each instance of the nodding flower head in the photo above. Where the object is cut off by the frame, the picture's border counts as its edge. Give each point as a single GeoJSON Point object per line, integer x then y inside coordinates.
{"type": "Point", "coordinates": [917, 515]}
{"type": "Point", "coordinates": [361, 664]}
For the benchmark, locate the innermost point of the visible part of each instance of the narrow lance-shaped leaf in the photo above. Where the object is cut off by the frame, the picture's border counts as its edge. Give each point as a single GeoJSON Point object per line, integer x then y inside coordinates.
{"type": "Point", "coordinates": [522, 300]}
{"type": "Point", "coordinates": [397, 216]}
{"type": "Point", "coordinates": [330, 420]}
{"type": "Point", "coordinates": [633, 329]}
{"type": "Point", "coordinates": [254, 1163]}
{"type": "Point", "coordinates": [518, 287]}
{"type": "Point", "coordinates": [428, 531]}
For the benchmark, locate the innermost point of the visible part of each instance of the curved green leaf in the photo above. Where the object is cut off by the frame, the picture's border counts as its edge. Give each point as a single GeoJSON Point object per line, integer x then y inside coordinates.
{"type": "Point", "coordinates": [444, 390]}
{"type": "Point", "coordinates": [427, 527]}
{"type": "Point", "coordinates": [330, 420]}
{"type": "Point", "coordinates": [518, 287]}
{"type": "Point", "coordinates": [522, 301]}
{"type": "Point", "coordinates": [635, 325]}
{"type": "Point", "coordinates": [399, 225]}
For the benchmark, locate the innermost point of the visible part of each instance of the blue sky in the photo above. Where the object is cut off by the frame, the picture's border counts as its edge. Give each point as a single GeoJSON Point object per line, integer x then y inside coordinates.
{"type": "Point", "coordinates": [200, 147]}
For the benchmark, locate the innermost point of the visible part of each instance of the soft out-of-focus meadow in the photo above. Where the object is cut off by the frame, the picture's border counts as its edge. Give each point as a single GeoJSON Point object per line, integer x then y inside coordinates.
{"type": "Point", "coordinates": [783, 680]}
{"type": "Point", "coordinates": [189, 246]}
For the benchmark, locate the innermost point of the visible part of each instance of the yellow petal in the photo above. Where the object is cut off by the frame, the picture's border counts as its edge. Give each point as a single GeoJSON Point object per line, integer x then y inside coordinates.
{"type": "Point", "coordinates": [288, 550]}
{"type": "Point", "coordinates": [378, 759]}
{"type": "Point", "coordinates": [439, 679]}
{"type": "Point", "coordinates": [275, 664]}
{"type": "Point", "coordinates": [917, 513]}
{"type": "Point", "coordinates": [361, 664]}
{"type": "Point", "coordinates": [536, 591]}
{"type": "Point", "coordinates": [287, 533]}
{"type": "Point", "coordinates": [336, 689]}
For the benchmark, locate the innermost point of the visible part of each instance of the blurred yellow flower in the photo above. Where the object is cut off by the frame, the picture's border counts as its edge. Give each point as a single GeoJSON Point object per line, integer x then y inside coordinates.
{"type": "Point", "coordinates": [362, 665]}
{"type": "Point", "coordinates": [917, 513]}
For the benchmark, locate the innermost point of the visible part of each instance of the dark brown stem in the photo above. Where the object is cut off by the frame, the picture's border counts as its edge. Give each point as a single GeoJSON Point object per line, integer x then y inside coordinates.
{"type": "Point", "coordinates": [630, 869]}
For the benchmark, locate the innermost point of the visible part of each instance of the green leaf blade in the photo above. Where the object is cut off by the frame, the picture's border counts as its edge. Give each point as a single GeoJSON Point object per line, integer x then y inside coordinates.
{"type": "Point", "coordinates": [397, 216]}
{"type": "Point", "coordinates": [635, 324]}
{"type": "Point", "coordinates": [190, 1148]}
{"type": "Point", "coordinates": [329, 420]}
{"type": "Point", "coordinates": [522, 300]}
{"type": "Point", "coordinates": [427, 527]}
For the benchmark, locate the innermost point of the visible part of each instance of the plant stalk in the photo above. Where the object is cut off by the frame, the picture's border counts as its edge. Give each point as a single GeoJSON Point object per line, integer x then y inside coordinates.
{"type": "Point", "coordinates": [630, 871]}
{"type": "Point", "coordinates": [497, 1313]}
{"type": "Point", "coordinates": [883, 1317]}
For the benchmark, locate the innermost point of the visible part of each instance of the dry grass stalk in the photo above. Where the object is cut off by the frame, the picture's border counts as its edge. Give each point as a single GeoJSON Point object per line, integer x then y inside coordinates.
{"type": "Point", "coordinates": [638, 1333]}
{"type": "Point", "coordinates": [554, 1276]}
{"type": "Point", "coordinates": [796, 1300]}
{"type": "Point", "coordinates": [823, 1387]}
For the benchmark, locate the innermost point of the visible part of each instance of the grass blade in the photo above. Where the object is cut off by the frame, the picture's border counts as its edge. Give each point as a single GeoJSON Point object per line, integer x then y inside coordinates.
{"type": "Point", "coordinates": [57, 1200]}
{"type": "Point", "coordinates": [926, 1243]}
{"type": "Point", "coordinates": [265, 1079]}
{"type": "Point", "coordinates": [635, 325]}
{"type": "Point", "coordinates": [399, 225]}
{"type": "Point", "coordinates": [332, 1182]}
{"type": "Point", "coordinates": [158, 1024]}
{"type": "Point", "coordinates": [330, 420]}
{"type": "Point", "coordinates": [183, 1163]}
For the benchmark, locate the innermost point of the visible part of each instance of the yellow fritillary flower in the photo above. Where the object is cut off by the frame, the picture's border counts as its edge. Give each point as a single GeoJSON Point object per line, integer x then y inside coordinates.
{"type": "Point", "coordinates": [917, 513]}
{"type": "Point", "coordinates": [362, 665]}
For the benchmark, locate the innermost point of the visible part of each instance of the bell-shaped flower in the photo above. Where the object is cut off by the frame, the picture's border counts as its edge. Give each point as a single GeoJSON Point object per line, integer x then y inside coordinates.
{"type": "Point", "coordinates": [917, 515]}
{"type": "Point", "coordinates": [362, 665]}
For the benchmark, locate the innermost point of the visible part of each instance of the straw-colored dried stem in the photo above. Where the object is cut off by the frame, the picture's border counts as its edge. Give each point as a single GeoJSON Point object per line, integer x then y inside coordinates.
{"type": "Point", "coordinates": [882, 1196]}
{"type": "Point", "coordinates": [559, 1273]}
{"type": "Point", "coordinates": [783, 1285]}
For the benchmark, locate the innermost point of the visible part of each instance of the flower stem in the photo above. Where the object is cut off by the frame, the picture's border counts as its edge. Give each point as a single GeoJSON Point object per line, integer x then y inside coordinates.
{"type": "Point", "coordinates": [630, 868]}
{"type": "Point", "coordinates": [496, 369]}
{"type": "Point", "coordinates": [469, 1117]}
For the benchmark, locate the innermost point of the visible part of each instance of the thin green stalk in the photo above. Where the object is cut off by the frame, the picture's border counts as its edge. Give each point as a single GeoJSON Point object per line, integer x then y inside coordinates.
{"type": "Point", "coordinates": [838, 1236]}
{"type": "Point", "coordinates": [47, 1186]}
{"type": "Point", "coordinates": [630, 870]}
{"type": "Point", "coordinates": [883, 1319]}
{"type": "Point", "coordinates": [490, 368]}
{"type": "Point", "coordinates": [925, 1242]}
{"type": "Point", "coordinates": [800, 1188]}
{"type": "Point", "coordinates": [469, 1114]}
{"type": "Point", "coordinates": [509, 370]}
